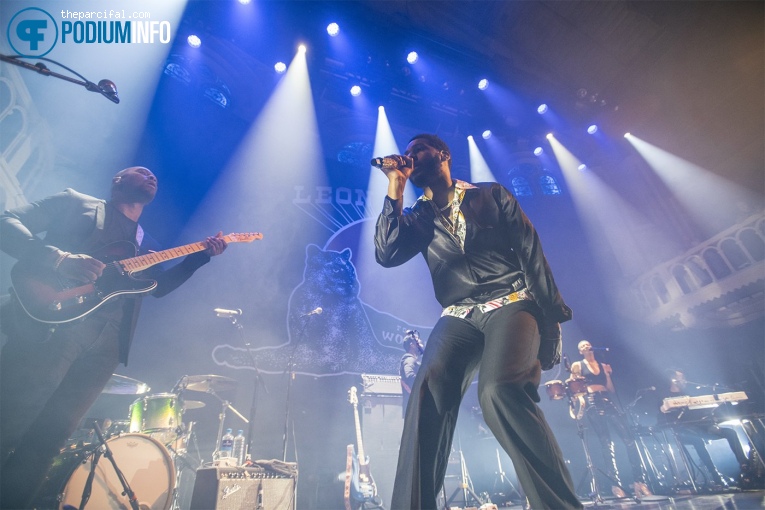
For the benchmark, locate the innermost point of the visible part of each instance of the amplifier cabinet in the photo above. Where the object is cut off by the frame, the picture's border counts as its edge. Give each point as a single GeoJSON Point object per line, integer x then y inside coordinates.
{"type": "Point", "coordinates": [221, 488]}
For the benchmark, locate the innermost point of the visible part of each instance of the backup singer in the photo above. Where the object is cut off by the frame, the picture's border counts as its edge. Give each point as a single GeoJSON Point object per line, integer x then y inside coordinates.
{"type": "Point", "coordinates": [501, 314]}
{"type": "Point", "coordinates": [602, 413]}
{"type": "Point", "coordinates": [49, 380]}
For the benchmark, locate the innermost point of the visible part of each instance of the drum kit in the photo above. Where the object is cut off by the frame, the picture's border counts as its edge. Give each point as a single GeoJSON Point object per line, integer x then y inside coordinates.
{"type": "Point", "coordinates": [146, 452]}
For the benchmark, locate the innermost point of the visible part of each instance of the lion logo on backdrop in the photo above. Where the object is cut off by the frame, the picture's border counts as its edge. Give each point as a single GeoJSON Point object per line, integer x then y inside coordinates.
{"type": "Point", "coordinates": [346, 336]}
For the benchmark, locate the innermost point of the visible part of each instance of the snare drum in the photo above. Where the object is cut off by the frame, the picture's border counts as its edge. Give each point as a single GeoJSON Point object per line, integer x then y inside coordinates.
{"type": "Point", "coordinates": [577, 386]}
{"type": "Point", "coordinates": [144, 462]}
{"type": "Point", "coordinates": [159, 416]}
{"type": "Point", "coordinates": [555, 389]}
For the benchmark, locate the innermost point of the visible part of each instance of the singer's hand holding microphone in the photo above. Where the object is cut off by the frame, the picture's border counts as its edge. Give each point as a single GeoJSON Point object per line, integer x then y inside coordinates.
{"type": "Point", "coordinates": [393, 163]}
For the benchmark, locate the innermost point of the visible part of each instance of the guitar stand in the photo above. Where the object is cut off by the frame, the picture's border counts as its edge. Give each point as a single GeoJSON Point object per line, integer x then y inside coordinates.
{"type": "Point", "coordinates": [103, 449]}
{"type": "Point", "coordinates": [465, 486]}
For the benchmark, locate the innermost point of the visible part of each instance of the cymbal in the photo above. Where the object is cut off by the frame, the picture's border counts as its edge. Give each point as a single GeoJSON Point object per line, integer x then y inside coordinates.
{"type": "Point", "coordinates": [207, 383]}
{"type": "Point", "coordinates": [193, 404]}
{"type": "Point", "coordinates": [121, 385]}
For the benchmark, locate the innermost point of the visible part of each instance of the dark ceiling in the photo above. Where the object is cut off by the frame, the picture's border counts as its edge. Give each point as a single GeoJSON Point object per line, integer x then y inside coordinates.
{"type": "Point", "coordinates": [685, 75]}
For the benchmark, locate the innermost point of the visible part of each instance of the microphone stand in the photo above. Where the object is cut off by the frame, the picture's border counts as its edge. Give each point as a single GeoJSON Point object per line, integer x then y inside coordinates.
{"type": "Point", "coordinates": [86, 491]}
{"type": "Point", "coordinates": [41, 68]}
{"type": "Point", "coordinates": [291, 369]}
{"type": "Point", "coordinates": [258, 382]}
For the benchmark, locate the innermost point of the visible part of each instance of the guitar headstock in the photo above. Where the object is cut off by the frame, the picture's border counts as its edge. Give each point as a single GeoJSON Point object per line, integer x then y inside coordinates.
{"type": "Point", "coordinates": [352, 398]}
{"type": "Point", "coordinates": [244, 237]}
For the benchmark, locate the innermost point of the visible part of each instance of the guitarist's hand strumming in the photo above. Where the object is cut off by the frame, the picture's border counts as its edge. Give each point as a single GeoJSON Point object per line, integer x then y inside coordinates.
{"type": "Point", "coordinates": [80, 268]}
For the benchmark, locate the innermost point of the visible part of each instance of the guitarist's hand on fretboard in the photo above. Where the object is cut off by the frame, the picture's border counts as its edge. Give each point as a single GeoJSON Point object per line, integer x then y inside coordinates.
{"type": "Point", "coordinates": [80, 268]}
{"type": "Point", "coordinates": [215, 245]}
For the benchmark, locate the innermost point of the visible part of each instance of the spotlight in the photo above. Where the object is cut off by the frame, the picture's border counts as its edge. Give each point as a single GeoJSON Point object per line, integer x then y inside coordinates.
{"type": "Point", "coordinates": [380, 108]}
{"type": "Point", "coordinates": [302, 48]}
{"type": "Point", "coordinates": [542, 109]}
{"type": "Point", "coordinates": [538, 151]}
{"type": "Point", "coordinates": [486, 134]}
{"type": "Point", "coordinates": [483, 84]}
{"type": "Point", "coordinates": [355, 91]}
{"type": "Point", "coordinates": [280, 67]}
{"type": "Point", "coordinates": [549, 136]}
{"type": "Point", "coordinates": [592, 129]}
{"type": "Point", "coordinates": [582, 167]}
{"type": "Point", "coordinates": [194, 41]}
{"type": "Point", "coordinates": [244, 2]}
{"type": "Point", "coordinates": [412, 57]}
{"type": "Point", "coordinates": [470, 137]}
{"type": "Point", "coordinates": [333, 29]}
{"type": "Point", "coordinates": [627, 135]}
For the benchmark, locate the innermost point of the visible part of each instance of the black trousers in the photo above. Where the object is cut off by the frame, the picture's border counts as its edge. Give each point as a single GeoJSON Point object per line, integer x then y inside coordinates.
{"type": "Point", "coordinates": [602, 414]}
{"type": "Point", "coordinates": [503, 344]}
{"type": "Point", "coordinates": [45, 390]}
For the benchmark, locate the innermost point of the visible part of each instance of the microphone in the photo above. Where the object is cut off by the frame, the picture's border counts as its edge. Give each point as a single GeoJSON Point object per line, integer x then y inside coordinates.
{"type": "Point", "coordinates": [386, 163]}
{"type": "Point", "coordinates": [222, 312]}
{"type": "Point", "coordinates": [316, 311]}
{"type": "Point", "coordinates": [644, 390]}
{"type": "Point", "coordinates": [600, 349]}
{"type": "Point", "coordinates": [109, 90]}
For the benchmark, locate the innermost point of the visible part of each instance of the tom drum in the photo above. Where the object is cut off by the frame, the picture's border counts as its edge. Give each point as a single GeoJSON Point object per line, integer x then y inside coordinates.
{"type": "Point", "coordinates": [556, 390]}
{"type": "Point", "coordinates": [159, 416]}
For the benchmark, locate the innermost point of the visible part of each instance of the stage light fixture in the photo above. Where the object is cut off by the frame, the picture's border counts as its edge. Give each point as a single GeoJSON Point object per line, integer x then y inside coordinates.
{"type": "Point", "coordinates": [333, 29]}
{"type": "Point", "coordinates": [627, 135]}
{"type": "Point", "coordinates": [486, 134]}
{"type": "Point", "coordinates": [412, 57]}
{"type": "Point", "coordinates": [301, 48]}
{"type": "Point", "coordinates": [592, 129]}
{"type": "Point", "coordinates": [542, 109]}
{"type": "Point", "coordinates": [549, 136]}
{"type": "Point", "coordinates": [582, 167]}
{"type": "Point", "coordinates": [194, 41]}
{"type": "Point", "coordinates": [280, 67]}
{"type": "Point", "coordinates": [483, 84]}
{"type": "Point", "coordinates": [538, 151]}
{"type": "Point", "coordinates": [244, 2]}
{"type": "Point", "coordinates": [355, 91]}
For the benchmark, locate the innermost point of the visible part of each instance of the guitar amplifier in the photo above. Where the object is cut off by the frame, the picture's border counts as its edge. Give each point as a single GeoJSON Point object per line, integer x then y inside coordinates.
{"type": "Point", "coordinates": [222, 488]}
{"type": "Point", "coordinates": [380, 384]}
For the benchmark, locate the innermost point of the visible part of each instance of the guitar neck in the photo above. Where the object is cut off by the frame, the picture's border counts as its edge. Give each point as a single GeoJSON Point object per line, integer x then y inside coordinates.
{"type": "Point", "coordinates": [362, 457]}
{"type": "Point", "coordinates": [142, 262]}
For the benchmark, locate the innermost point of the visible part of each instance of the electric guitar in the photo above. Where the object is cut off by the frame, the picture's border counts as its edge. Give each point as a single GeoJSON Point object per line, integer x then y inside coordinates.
{"type": "Point", "coordinates": [50, 299]}
{"type": "Point", "coordinates": [360, 487]}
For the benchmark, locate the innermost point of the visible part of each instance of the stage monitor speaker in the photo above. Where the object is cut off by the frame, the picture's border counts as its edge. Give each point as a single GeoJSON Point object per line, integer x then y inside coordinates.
{"type": "Point", "coordinates": [222, 488]}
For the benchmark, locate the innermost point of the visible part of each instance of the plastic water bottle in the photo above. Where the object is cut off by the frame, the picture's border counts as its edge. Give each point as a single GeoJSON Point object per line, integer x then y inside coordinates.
{"type": "Point", "coordinates": [239, 447]}
{"type": "Point", "coordinates": [226, 444]}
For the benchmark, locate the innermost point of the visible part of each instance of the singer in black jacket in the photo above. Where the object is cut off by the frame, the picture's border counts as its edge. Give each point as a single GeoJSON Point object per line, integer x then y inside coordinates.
{"type": "Point", "coordinates": [48, 380]}
{"type": "Point", "coordinates": [501, 314]}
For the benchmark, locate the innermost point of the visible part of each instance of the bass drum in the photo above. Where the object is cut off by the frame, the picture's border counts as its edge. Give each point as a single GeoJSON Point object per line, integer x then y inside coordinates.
{"type": "Point", "coordinates": [145, 464]}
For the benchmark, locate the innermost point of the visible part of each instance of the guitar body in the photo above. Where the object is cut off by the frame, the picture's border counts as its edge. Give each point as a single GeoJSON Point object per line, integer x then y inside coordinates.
{"type": "Point", "coordinates": [363, 490]}
{"type": "Point", "coordinates": [48, 298]}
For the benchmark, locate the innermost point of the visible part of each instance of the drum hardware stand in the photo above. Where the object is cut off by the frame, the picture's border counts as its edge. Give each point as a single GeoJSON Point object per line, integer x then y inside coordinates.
{"type": "Point", "coordinates": [502, 478]}
{"type": "Point", "coordinates": [291, 369]}
{"type": "Point", "coordinates": [258, 382]}
{"type": "Point", "coordinates": [465, 486]}
{"type": "Point", "coordinates": [103, 449]}
{"type": "Point", "coordinates": [185, 462]}
{"type": "Point", "coordinates": [225, 405]}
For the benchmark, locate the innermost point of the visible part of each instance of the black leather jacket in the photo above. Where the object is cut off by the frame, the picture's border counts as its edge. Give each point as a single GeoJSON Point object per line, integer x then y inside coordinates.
{"type": "Point", "coordinates": [502, 251]}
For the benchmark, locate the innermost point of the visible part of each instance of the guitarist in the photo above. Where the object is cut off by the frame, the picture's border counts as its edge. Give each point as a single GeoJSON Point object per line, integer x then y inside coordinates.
{"type": "Point", "coordinates": [50, 376]}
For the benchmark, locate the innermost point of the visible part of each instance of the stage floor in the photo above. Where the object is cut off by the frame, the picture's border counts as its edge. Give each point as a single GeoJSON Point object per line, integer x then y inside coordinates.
{"type": "Point", "coordinates": [744, 500]}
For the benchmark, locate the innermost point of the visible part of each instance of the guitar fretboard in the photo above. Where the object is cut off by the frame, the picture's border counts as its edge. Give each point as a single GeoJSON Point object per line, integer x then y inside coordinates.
{"type": "Point", "coordinates": [151, 259]}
